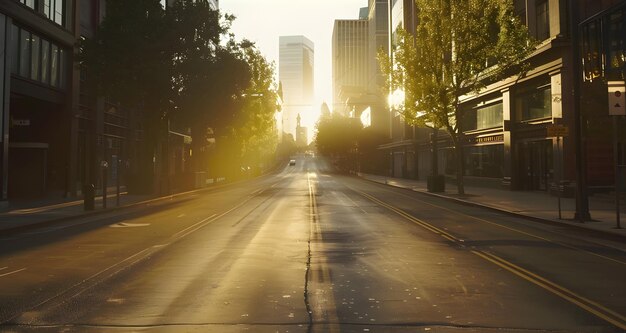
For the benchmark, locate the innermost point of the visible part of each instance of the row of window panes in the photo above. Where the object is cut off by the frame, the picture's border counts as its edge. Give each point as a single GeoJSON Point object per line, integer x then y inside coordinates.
{"type": "Point", "coordinates": [604, 47]}
{"type": "Point", "coordinates": [484, 117]}
{"type": "Point", "coordinates": [52, 9]}
{"type": "Point", "coordinates": [534, 104]}
{"type": "Point", "coordinates": [37, 59]}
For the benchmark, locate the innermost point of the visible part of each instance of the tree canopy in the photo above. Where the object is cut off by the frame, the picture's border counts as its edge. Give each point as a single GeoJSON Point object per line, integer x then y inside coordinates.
{"type": "Point", "coordinates": [182, 64]}
{"type": "Point", "coordinates": [458, 47]}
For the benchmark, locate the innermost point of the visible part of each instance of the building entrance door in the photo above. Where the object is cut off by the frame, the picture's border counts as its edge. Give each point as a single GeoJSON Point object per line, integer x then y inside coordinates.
{"type": "Point", "coordinates": [536, 164]}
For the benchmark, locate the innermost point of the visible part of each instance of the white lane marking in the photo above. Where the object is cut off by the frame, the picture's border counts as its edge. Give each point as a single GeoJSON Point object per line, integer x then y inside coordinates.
{"type": "Point", "coordinates": [186, 229]}
{"type": "Point", "coordinates": [3, 268]}
{"type": "Point", "coordinates": [13, 272]}
{"type": "Point", "coordinates": [181, 215]}
{"type": "Point", "coordinates": [129, 225]}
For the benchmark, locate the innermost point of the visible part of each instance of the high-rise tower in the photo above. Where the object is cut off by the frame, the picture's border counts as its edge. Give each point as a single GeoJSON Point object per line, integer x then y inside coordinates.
{"type": "Point", "coordinates": [350, 63]}
{"type": "Point", "coordinates": [296, 76]}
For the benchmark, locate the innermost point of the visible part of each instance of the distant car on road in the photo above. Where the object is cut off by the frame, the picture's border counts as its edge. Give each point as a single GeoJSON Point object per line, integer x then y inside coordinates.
{"type": "Point", "coordinates": [292, 162]}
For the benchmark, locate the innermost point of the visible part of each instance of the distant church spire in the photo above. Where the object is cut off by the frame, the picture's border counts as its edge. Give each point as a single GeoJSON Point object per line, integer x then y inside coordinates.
{"type": "Point", "coordinates": [298, 121]}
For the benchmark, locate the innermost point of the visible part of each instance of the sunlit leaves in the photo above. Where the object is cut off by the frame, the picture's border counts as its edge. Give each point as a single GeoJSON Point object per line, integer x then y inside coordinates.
{"type": "Point", "coordinates": [459, 47]}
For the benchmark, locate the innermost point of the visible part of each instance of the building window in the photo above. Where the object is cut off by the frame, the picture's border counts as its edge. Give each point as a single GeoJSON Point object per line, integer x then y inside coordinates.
{"type": "Point", "coordinates": [542, 20]}
{"type": "Point", "coordinates": [45, 61]}
{"type": "Point", "coordinates": [38, 59]}
{"type": "Point", "coordinates": [29, 3]}
{"type": "Point", "coordinates": [58, 12]}
{"type": "Point", "coordinates": [534, 104]}
{"type": "Point", "coordinates": [24, 53]}
{"type": "Point", "coordinates": [484, 161]}
{"type": "Point", "coordinates": [604, 46]}
{"type": "Point", "coordinates": [617, 41]}
{"type": "Point", "coordinates": [484, 117]}
{"type": "Point", "coordinates": [54, 66]}
{"type": "Point", "coordinates": [52, 9]}
{"type": "Point", "coordinates": [35, 60]}
{"type": "Point", "coordinates": [592, 51]}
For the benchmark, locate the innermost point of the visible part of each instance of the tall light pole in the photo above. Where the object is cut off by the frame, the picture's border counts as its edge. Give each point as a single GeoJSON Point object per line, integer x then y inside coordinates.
{"type": "Point", "coordinates": [582, 198]}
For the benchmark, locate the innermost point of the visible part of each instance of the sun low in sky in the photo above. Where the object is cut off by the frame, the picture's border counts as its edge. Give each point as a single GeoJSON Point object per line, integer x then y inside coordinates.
{"type": "Point", "coordinates": [264, 21]}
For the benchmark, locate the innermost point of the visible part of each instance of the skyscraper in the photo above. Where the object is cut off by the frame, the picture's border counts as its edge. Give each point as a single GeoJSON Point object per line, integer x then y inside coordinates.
{"type": "Point", "coordinates": [350, 63]}
{"type": "Point", "coordinates": [296, 60]}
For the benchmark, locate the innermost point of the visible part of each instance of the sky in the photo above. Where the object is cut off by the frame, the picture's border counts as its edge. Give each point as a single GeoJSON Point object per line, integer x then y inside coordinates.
{"type": "Point", "coordinates": [264, 21]}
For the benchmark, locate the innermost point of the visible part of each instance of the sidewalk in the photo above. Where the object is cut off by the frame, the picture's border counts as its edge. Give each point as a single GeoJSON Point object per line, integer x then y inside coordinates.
{"type": "Point", "coordinates": [21, 216]}
{"type": "Point", "coordinates": [532, 205]}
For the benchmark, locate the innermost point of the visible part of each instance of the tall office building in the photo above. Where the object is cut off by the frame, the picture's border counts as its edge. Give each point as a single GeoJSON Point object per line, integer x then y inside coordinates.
{"type": "Point", "coordinates": [350, 63]}
{"type": "Point", "coordinates": [296, 76]}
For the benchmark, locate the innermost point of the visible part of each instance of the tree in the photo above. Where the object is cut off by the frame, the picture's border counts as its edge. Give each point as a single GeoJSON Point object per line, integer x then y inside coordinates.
{"type": "Point", "coordinates": [337, 137]}
{"type": "Point", "coordinates": [127, 61]}
{"type": "Point", "coordinates": [459, 46]}
{"type": "Point", "coordinates": [209, 71]}
{"type": "Point", "coordinates": [255, 125]}
{"type": "Point", "coordinates": [179, 64]}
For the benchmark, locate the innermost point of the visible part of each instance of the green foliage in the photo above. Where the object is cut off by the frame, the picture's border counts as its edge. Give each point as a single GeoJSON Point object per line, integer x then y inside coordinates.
{"type": "Point", "coordinates": [459, 46]}
{"type": "Point", "coordinates": [183, 65]}
{"type": "Point", "coordinates": [126, 59]}
{"type": "Point", "coordinates": [337, 135]}
{"type": "Point", "coordinates": [255, 125]}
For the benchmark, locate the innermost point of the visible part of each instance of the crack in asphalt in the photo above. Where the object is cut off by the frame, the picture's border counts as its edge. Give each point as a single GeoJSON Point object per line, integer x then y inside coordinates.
{"type": "Point", "coordinates": [312, 219]}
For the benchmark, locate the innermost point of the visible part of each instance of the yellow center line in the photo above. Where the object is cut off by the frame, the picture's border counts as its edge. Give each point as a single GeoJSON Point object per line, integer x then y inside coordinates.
{"type": "Point", "coordinates": [329, 301]}
{"type": "Point", "coordinates": [582, 302]}
{"type": "Point", "coordinates": [514, 230]}
{"type": "Point", "coordinates": [592, 307]}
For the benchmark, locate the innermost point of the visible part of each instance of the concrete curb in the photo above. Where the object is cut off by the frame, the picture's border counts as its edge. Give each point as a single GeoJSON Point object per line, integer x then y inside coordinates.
{"type": "Point", "coordinates": [85, 214]}
{"type": "Point", "coordinates": [597, 232]}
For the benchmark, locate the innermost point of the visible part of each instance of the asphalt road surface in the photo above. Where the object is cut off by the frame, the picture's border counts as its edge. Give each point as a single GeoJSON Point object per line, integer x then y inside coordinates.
{"type": "Point", "coordinates": [307, 250]}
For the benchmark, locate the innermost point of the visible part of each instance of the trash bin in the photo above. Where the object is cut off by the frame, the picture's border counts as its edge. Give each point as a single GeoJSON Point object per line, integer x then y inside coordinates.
{"type": "Point", "coordinates": [89, 193]}
{"type": "Point", "coordinates": [436, 183]}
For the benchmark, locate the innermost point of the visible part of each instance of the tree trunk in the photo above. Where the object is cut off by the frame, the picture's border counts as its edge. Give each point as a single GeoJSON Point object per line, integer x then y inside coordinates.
{"type": "Point", "coordinates": [458, 150]}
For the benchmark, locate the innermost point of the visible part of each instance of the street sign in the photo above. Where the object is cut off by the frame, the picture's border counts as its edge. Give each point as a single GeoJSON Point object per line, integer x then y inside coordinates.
{"type": "Point", "coordinates": [555, 130]}
{"type": "Point", "coordinates": [617, 98]}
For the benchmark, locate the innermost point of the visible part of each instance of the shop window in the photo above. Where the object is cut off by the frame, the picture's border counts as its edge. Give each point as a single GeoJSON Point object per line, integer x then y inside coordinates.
{"type": "Point", "coordinates": [484, 161]}
{"type": "Point", "coordinates": [534, 104]}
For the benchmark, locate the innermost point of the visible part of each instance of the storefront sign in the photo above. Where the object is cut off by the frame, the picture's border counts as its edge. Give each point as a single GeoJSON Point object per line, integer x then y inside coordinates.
{"type": "Point", "coordinates": [20, 122]}
{"type": "Point", "coordinates": [555, 130]}
{"type": "Point", "coordinates": [617, 98]}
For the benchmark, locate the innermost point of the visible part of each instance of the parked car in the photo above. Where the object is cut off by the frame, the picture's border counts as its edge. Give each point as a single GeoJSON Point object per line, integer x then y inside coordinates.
{"type": "Point", "coordinates": [292, 162]}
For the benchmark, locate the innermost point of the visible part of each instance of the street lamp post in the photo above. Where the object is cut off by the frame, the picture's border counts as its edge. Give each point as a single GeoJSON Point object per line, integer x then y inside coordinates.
{"type": "Point", "coordinates": [582, 198]}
